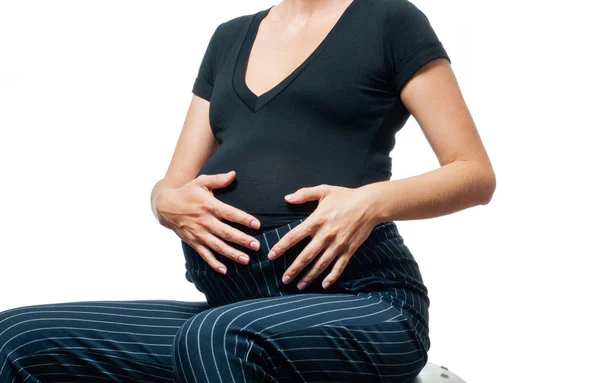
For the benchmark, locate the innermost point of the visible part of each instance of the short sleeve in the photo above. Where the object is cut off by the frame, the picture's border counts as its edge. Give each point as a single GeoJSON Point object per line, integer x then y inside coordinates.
{"type": "Point", "coordinates": [410, 41]}
{"type": "Point", "coordinates": [203, 85]}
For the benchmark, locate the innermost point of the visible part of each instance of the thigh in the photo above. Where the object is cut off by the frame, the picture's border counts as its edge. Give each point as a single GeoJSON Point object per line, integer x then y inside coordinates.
{"type": "Point", "coordinates": [311, 337]}
{"type": "Point", "coordinates": [92, 340]}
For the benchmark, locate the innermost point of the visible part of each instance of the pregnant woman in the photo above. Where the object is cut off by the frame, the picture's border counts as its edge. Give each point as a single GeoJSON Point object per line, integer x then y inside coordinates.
{"type": "Point", "coordinates": [280, 192]}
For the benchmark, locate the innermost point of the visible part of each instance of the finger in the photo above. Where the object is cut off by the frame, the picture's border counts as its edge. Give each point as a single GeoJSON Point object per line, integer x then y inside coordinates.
{"type": "Point", "coordinates": [291, 238]}
{"type": "Point", "coordinates": [233, 214]}
{"type": "Point", "coordinates": [213, 242]}
{"type": "Point", "coordinates": [214, 181]}
{"type": "Point", "coordinates": [231, 234]}
{"type": "Point", "coordinates": [308, 194]}
{"type": "Point", "coordinates": [338, 268]}
{"type": "Point", "coordinates": [305, 257]}
{"type": "Point", "coordinates": [332, 251]}
{"type": "Point", "coordinates": [208, 257]}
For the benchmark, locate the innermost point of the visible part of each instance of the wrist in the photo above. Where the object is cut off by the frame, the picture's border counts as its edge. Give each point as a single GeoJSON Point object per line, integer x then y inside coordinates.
{"type": "Point", "coordinates": [376, 211]}
{"type": "Point", "coordinates": [162, 198]}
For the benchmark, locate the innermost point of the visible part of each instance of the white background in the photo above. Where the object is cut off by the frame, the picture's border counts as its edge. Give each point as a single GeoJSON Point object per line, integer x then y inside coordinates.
{"type": "Point", "coordinates": [93, 96]}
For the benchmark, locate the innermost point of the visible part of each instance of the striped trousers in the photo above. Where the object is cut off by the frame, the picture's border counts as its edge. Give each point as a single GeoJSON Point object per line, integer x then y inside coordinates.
{"type": "Point", "coordinates": [371, 325]}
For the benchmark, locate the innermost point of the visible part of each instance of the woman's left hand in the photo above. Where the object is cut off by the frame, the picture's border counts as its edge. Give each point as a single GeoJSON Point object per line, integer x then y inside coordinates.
{"type": "Point", "coordinates": [342, 221]}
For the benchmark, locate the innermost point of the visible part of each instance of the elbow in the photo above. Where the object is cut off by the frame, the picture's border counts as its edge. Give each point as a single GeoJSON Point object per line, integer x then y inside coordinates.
{"type": "Point", "coordinates": [488, 186]}
{"type": "Point", "coordinates": [483, 181]}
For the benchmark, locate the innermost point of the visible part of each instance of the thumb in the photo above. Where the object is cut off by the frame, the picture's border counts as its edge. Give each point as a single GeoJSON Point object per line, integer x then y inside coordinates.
{"type": "Point", "coordinates": [213, 181]}
{"type": "Point", "coordinates": [306, 194]}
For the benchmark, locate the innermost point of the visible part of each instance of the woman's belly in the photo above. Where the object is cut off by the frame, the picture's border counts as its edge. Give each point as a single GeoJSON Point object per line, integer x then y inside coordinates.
{"type": "Point", "coordinates": [266, 173]}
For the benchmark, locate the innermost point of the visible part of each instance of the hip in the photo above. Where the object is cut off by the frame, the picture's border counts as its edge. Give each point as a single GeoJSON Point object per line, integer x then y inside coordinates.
{"type": "Point", "coordinates": [381, 266]}
{"type": "Point", "coordinates": [383, 263]}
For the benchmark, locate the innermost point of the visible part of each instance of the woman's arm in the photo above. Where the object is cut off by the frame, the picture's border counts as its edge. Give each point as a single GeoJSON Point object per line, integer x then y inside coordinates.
{"type": "Point", "coordinates": [465, 178]}
{"type": "Point", "coordinates": [195, 146]}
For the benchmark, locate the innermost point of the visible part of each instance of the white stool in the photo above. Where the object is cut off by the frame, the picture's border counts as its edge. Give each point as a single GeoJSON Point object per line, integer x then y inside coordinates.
{"type": "Point", "coordinates": [432, 373]}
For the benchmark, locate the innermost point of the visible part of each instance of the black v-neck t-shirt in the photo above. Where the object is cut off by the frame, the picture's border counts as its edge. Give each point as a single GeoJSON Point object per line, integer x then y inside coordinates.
{"type": "Point", "coordinates": [332, 121]}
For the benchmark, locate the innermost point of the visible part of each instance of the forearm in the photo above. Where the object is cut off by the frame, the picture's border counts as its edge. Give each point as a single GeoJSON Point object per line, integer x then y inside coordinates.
{"type": "Point", "coordinates": [448, 189]}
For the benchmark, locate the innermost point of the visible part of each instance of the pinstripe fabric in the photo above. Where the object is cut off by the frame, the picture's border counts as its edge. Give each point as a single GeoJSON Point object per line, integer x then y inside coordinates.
{"type": "Point", "coordinates": [100, 341]}
{"type": "Point", "coordinates": [382, 264]}
{"type": "Point", "coordinates": [371, 325]}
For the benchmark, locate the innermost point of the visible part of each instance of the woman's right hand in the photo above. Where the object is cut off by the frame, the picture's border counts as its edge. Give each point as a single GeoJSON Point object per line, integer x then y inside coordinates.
{"type": "Point", "coordinates": [194, 214]}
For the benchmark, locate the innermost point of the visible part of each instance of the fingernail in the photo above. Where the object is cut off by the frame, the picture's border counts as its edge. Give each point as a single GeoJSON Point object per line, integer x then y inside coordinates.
{"type": "Point", "coordinates": [290, 196]}
{"type": "Point", "coordinates": [244, 259]}
{"type": "Point", "coordinates": [286, 278]}
{"type": "Point", "coordinates": [326, 284]}
{"type": "Point", "coordinates": [271, 254]}
{"type": "Point", "coordinates": [254, 245]}
{"type": "Point", "coordinates": [255, 224]}
{"type": "Point", "coordinates": [222, 270]}
{"type": "Point", "coordinates": [301, 285]}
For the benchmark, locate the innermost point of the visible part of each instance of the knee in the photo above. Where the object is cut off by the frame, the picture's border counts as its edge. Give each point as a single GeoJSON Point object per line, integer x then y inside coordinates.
{"type": "Point", "coordinates": [215, 342]}
{"type": "Point", "coordinates": [206, 329]}
{"type": "Point", "coordinates": [200, 347]}
{"type": "Point", "coordinates": [216, 332]}
{"type": "Point", "coordinates": [20, 327]}
{"type": "Point", "coordinates": [10, 322]}
{"type": "Point", "coordinates": [15, 325]}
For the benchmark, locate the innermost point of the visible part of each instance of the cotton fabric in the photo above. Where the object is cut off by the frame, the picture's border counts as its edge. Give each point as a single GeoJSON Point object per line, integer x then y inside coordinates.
{"type": "Point", "coordinates": [332, 121]}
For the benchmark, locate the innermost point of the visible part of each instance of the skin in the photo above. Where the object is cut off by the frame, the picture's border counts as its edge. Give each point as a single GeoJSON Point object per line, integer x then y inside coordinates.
{"type": "Point", "coordinates": [345, 217]}
{"type": "Point", "coordinates": [186, 204]}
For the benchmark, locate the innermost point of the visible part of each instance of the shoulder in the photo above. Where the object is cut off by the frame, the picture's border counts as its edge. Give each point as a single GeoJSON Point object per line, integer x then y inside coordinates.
{"type": "Point", "coordinates": [405, 24]}
{"type": "Point", "coordinates": [409, 40]}
{"type": "Point", "coordinates": [400, 9]}
{"type": "Point", "coordinates": [226, 33]}
{"type": "Point", "coordinates": [231, 29]}
{"type": "Point", "coordinates": [402, 15]}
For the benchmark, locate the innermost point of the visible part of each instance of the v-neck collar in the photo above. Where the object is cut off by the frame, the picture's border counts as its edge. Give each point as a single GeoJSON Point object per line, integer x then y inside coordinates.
{"type": "Point", "coordinates": [252, 101]}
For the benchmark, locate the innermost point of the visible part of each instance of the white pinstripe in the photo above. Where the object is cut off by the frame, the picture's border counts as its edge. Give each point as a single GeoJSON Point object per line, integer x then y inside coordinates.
{"type": "Point", "coordinates": [379, 247]}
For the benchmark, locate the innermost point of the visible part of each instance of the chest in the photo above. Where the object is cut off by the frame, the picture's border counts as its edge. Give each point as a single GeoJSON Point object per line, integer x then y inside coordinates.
{"type": "Point", "coordinates": [278, 48]}
{"type": "Point", "coordinates": [335, 72]}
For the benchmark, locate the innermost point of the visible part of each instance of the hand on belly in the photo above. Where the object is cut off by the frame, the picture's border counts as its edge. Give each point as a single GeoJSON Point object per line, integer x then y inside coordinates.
{"type": "Point", "coordinates": [339, 225]}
